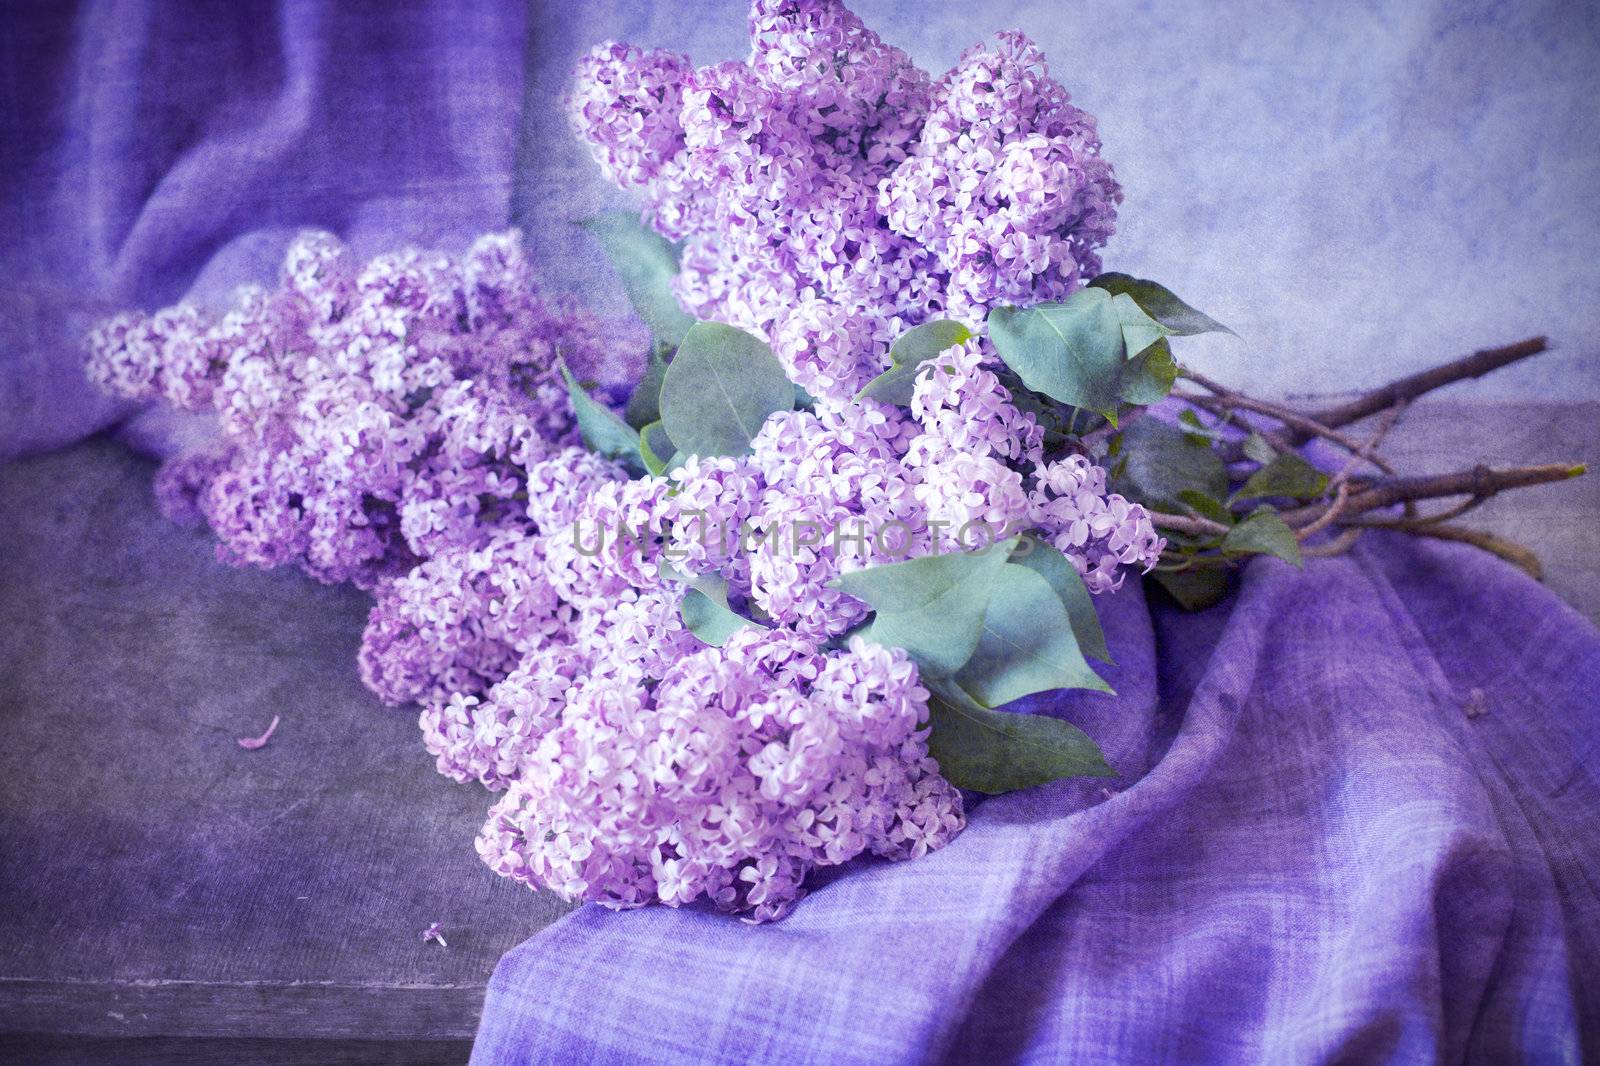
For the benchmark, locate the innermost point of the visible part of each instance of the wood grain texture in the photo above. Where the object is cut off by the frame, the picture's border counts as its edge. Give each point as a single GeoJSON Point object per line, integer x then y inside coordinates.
{"type": "Point", "coordinates": [49, 1049]}
{"type": "Point", "coordinates": [156, 881]}
{"type": "Point", "coordinates": [146, 858]}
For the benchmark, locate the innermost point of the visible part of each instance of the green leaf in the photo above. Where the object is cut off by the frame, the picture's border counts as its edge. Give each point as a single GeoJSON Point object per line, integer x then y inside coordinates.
{"type": "Point", "coordinates": [1072, 352]}
{"type": "Point", "coordinates": [914, 347]}
{"type": "Point", "coordinates": [1044, 560]}
{"type": "Point", "coordinates": [1026, 644]}
{"type": "Point", "coordinates": [603, 432]}
{"type": "Point", "coordinates": [1149, 378]}
{"type": "Point", "coordinates": [644, 402]}
{"type": "Point", "coordinates": [1263, 533]}
{"type": "Point", "coordinates": [933, 606]}
{"type": "Point", "coordinates": [1193, 589]}
{"type": "Point", "coordinates": [999, 751]}
{"type": "Point", "coordinates": [706, 613]}
{"type": "Point", "coordinates": [646, 262]}
{"type": "Point", "coordinates": [1257, 448]}
{"type": "Point", "coordinates": [1139, 330]}
{"type": "Point", "coordinates": [655, 449]}
{"type": "Point", "coordinates": [1195, 428]}
{"type": "Point", "coordinates": [1161, 304]}
{"type": "Point", "coordinates": [1206, 506]}
{"type": "Point", "coordinates": [1285, 475]}
{"type": "Point", "coordinates": [1162, 462]}
{"type": "Point", "coordinates": [719, 389]}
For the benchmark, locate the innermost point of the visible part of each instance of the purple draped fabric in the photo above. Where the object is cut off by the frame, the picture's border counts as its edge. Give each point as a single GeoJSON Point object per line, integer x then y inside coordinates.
{"type": "Point", "coordinates": [150, 151]}
{"type": "Point", "coordinates": [1356, 818]}
{"type": "Point", "coordinates": [1357, 821]}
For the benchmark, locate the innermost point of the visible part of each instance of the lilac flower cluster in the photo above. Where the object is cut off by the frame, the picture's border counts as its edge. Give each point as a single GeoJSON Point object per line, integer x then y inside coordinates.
{"type": "Point", "coordinates": [371, 417]}
{"type": "Point", "coordinates": [610, 729]}
{"type": "Point", "coordinates": [402, 426]}
{"type": "Point", "coordinates": [831, 194]}
{"type": "Point", "coordinates": [739, 771]}
{"type": "Point", "coordinates": [642, 765]}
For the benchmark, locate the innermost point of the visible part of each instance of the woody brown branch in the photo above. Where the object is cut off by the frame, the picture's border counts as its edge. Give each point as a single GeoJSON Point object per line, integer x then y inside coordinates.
{"type": "Point", "coordinates": [1480, 482]}
{"type": "Point", "coordinates": [1406, 389]}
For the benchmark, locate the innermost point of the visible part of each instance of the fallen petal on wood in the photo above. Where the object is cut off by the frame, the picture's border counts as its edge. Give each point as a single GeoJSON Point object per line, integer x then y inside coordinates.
{"type": "Point", "coordinates": [252, 743]}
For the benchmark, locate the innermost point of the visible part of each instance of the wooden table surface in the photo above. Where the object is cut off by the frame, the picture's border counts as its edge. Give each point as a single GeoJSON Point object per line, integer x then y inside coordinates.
{"type": "Point", "coordinates": [162, 888]}
{"type": "Point", "coordinates": [158, 880]}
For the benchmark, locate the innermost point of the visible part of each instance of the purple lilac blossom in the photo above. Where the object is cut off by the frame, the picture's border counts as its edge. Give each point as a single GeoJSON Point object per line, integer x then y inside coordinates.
{"type": "Point", "coordinates": [402, 427]}
{"type": "Point", "coordinates": [831, 194]}
{"type": "Point", "coordinates": [742, 769]}
{"type": "Point", "coordinates": [372, 417]}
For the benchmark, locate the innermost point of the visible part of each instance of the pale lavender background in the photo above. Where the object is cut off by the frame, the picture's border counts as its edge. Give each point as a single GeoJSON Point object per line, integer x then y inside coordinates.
{"type": "Point", "coordinates": [1358, 189]}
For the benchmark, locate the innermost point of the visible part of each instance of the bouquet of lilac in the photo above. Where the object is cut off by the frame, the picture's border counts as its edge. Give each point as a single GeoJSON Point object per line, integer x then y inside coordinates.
{"type": "Point", "coordinates": [884, 449]}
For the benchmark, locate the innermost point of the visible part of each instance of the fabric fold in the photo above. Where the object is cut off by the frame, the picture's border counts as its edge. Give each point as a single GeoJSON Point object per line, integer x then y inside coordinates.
{"type": "Point", "coordinates": [1338, 836]}
{"type": "Point", "coordinates": [155, 152]}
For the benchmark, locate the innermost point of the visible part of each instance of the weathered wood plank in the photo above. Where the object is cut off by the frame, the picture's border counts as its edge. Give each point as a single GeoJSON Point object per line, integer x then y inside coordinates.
{"type": "Point", "coordinates": [140, 845]}
{"type": "Point", "coordinates": [43, 1049]}
{"type": "Point", "coordinates": [271, 1010]}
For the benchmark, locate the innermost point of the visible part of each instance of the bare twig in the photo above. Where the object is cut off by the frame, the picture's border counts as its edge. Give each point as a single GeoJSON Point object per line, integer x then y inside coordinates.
{"type": "Point", "coordinates": [1341, 496]}
{"type": "Point", "coordinates": [1349, 498]}
{"type": "Point", "coordinates": [1412, 522]}
{"type": "Point", "coordinates": [1226, 400]}
{"type": "Point", "coordinates": [1337, 546]}
{"type": "Point", "coordinates": [1479, 481]}
{"type": "Point", "coordinates": [1509, 550]}
{"type": "Point", "coordinates": [1409, 388]}
{"type": "Point", "coordinates": [1347, 508]}
{"type": "Point", "coordinates": [1193, 525]}
{"type": "Point", "coordinates": [1341, 480]}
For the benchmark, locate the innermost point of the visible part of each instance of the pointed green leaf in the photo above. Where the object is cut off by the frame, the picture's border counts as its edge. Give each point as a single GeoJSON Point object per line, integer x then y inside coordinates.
{"type": "Point", "coordinates": [656, 449]}
{"type": "Point", "coordinates": [1072, 352]}
{"type": "Point", "coordinates": [999, 751]}
{"type": "Point", "coordinates": [706, 613]}
{"type": "Point", "coordinates": [644, 402]}
{"type": "Point", "coordinates": [932, 607]}
{"type": "Point", "coordinates": [1139, 330]}
{"type": "Point", "coordinates": [1195, 428]}
{"type": "Point", "coordinates": [1206, 506]}
{"type": "Point", "coordinates": [603, 432]}
{"type": "Point", "coordinates": [914, 347]}
{"type": "Point", "coordinates": [646, 262]}
{"type": "Point", "coordinates": [719, 389]}
{"type": "Point", "coordinates": [1160, 303]}
{"type": "Point", "coordinates": [1258, 449]}
{"type": "Point", "coordinates": [1044, 560]}
{"type": "Point", "coordinates": [1193, 589]}
{"type": "Point", "coordinates": [1149, 378]}
{"type": "Point", "coordinates": [1026, 644]}
{"type": "Point", "coordinates": [1286, 475]}
{"type": "Point", "coordinates": [1163, 462]}
{"type": "Point", "coordinates": [1263, 533]}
